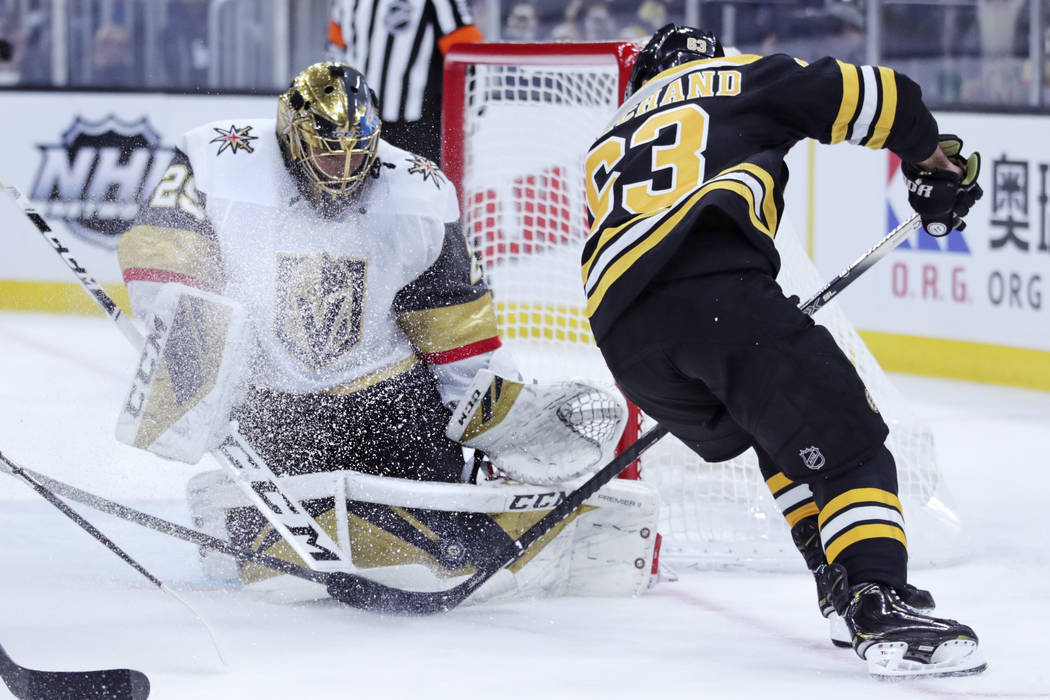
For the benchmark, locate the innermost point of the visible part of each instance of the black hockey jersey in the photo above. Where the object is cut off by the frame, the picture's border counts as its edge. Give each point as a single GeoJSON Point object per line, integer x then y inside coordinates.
{"type": "Point", "coordinates": [714, 133]}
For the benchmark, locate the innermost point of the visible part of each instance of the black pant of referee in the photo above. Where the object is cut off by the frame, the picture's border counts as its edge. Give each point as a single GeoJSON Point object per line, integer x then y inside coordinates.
{"type": "Point", "coordinates": [715, 352]}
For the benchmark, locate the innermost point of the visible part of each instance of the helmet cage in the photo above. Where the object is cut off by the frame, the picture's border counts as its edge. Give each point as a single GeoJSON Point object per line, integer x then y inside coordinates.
{"type": "Point", "coordinates": [328, 128]}
{"type": "Point", "coordinates": [307, 147]}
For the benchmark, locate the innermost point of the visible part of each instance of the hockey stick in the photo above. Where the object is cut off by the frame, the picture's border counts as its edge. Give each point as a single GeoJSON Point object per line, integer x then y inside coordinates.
{"type": "Point", "coordinates": [174, 529]}
{"type": "Point", "coordinates": [361, 592]}
{"type": "Point", "coordinates": [111, 684]}
{"type": "Point", "coordinates": [247, 469]}
{"type": "Point", "coordinates": [7, 465]}
{"type": "Point", "coordinates": [874, 254]}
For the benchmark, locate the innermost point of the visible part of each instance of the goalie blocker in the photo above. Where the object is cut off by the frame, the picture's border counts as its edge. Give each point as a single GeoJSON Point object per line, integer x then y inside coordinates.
{"type": "Point", "coordinates": [188, 376]}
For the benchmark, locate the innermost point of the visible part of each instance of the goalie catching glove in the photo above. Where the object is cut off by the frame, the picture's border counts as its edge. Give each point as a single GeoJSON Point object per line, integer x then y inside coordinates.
{"type": "Point", "coordinates": [539, 433]}
{"type": "Point", "coordinates": [942, 198]}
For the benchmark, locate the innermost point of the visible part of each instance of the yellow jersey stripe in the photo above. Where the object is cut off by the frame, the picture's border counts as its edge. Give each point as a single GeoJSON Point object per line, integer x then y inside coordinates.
{"type": "Point", "coordinates": [888, 111]}
{"type": "Point", "coordinates": [769, 207]}
{"type": "Point", "coordinates": [609, 233]}
{"type": "Point", "coordinates": [868, 495]}
{"type": "Point", "coordinates": [805, 511]}
{"type": "Point", "coordinates": [848, 106]}
{"type": "Point", "coordinates": [631, 256]}
{"type": "Point", "coordinates": [702, 63]}
{"type": "Point", "coordinates": [778, 482]}
{"type": "Point", "coordinates": [864, 532]}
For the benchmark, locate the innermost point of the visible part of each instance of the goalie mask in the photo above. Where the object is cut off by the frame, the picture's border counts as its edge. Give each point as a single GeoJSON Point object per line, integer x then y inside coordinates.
{"type": "Point", "coordinates": [328, 128]}
{"type": "Point", "coordinates": [671, 45]}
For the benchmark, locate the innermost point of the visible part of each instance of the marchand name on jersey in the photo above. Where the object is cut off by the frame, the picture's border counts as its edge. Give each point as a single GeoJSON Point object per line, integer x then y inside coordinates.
{"type": "Point", "coordinates": [700, 83]}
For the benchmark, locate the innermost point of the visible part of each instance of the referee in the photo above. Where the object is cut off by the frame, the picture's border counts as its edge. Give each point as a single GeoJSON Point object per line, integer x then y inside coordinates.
{"type": "Point", "coordinates": [399, 46]}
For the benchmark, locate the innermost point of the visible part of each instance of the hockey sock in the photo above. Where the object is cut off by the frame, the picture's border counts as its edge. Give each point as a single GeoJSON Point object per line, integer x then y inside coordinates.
{"type": "Point", "coordinates": [861, 523]}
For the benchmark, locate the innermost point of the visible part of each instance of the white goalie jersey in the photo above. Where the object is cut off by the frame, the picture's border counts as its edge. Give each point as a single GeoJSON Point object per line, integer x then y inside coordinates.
{"type": "Point", "coordinates": [322, 295]}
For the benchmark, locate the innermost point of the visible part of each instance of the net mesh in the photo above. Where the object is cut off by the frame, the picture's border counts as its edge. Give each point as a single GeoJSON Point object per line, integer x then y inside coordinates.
{"type": "Point", "coordinates": [526, 129]}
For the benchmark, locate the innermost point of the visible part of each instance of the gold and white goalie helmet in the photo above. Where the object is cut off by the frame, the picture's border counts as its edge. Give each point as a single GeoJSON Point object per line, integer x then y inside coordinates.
{"type": "Point", "coordinates": [328, 126]}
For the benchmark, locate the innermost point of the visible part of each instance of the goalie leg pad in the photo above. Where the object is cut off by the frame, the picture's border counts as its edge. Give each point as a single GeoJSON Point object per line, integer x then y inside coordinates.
{"type": "Point", "coordinates": [606, 550]}
{"type": "Point", "coordinates": [209, 495]}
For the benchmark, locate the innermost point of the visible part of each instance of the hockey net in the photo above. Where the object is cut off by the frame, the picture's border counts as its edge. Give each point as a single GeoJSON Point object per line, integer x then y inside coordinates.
{"type": "Point", "coordinates": [518, 120]}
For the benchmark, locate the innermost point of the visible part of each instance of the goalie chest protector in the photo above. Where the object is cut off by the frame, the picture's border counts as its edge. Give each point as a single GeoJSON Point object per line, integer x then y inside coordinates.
{"type": "Point", "coordinates": [318, 291]}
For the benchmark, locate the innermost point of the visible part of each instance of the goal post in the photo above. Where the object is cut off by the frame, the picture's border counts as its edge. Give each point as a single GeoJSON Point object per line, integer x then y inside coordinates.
{"type": "Point", "coordinates": [518, 119]}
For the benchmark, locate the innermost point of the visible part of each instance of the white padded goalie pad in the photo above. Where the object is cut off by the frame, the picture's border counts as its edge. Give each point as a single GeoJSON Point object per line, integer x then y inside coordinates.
{"type": "Point", "coordinates": [540, 433]}
{"type": "Point", "coordinates": [605, 549]}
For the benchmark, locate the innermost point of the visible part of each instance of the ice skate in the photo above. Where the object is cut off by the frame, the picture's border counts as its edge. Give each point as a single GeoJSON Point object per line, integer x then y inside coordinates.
{"type": "Point", "coordinates": [898, 641]}
{"type": "Point", "coordinates": [806, 535]}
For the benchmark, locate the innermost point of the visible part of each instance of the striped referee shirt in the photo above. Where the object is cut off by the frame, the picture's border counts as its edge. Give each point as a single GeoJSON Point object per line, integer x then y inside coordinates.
{"type": "Point", "coordinates": [398, 45]}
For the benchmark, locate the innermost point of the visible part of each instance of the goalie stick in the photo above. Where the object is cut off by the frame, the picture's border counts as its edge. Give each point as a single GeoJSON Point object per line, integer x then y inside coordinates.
{"type": "Point", "coordinates": [167, 527]}
{"type": "Point", "coordinates": [247, 469]}
{"type": "Point", "coordinates": [110, 684]}
{"type": "Point", "coordinates": [15, 470]}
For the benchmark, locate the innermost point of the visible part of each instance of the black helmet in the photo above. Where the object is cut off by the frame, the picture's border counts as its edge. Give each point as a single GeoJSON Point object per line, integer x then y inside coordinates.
{"type": "Point", "coordinates": [670, 46]}
{"type": "Point", "coordinates": [329, 117]}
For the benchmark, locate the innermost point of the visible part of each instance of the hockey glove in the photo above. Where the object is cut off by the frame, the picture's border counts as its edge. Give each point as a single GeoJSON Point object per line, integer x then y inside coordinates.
{"type": "Point", "coordinates": [942, 198]}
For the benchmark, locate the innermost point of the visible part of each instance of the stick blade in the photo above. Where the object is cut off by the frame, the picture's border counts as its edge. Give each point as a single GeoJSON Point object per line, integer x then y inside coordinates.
{"type": "Point", "coordinates": [110, 684]}
{"type": "Point", "coordinates": [366, 594]}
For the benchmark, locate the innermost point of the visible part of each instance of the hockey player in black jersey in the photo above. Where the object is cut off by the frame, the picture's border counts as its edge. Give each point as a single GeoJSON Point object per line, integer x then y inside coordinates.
{"type": "Point", "coordinates": [685, 193]}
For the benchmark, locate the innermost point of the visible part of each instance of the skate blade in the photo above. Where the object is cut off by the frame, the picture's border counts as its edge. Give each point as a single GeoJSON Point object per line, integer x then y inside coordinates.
{"type": "Point", "coordinates": [957, 657]}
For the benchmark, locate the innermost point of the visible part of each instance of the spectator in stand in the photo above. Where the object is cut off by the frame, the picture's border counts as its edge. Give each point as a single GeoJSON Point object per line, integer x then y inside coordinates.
{"type": "Point", "coordinates": [651, 15]}
{"type": "Point", "coordinates": [399, 46]}
{"type": "Point", "coordinates": [113, 61]}
{"type": "Point", "coordinates": [185, 44]}
{"type": "Point", "coordinates": [8, 53]}
{"type": "Point", "coordinates": [596, 21]}
{"type": "Point", "coordinates": [1002, 39]}
{"type": "Point", "coordinates": [33, 46]}
{"type": "Point", "coordinates": [566, 30]}
{"type": "Point", "coordinates": [523, 22]}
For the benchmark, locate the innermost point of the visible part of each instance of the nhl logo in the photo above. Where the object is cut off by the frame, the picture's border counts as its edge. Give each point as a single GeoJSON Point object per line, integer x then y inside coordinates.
{"type": "Point", "coordinates": [94, 179]}
{"type": "Point", "coordinates": [812, 458]}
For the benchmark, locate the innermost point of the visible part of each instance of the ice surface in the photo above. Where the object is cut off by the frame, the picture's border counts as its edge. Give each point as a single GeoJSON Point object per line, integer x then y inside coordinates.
{"type": "Point", "coordinates": [67, 603]}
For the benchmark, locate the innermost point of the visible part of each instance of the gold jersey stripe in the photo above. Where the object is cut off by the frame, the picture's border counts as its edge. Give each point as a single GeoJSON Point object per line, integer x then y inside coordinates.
{"type": "Point", "coordinates": [798, 514]}
{"type": "Point", "coordinates": [373, 378]}
{"type": "Point", "coordinates": [769, 206]}
{"type": "Point", "coordinates": [181, 251]}
{"type": "Point", "coordinates": [706, 64]}
{"type": "Point", "coordinates": [449, 327]}
{"type": "Point", "coordinates": [888, 111]}
{"type": "Point", "coordinates": [848, 106]}
{"type": "Point", "coordinates": [778, 482]}
{"type": "Point", "coordinates": [870, 531]}
{"type": "Point", "coordinates": [603, 239]}
{"type": "Point", "coordinates": [854, 496]}
{"type": "Point", "coordinates": [613, 272]}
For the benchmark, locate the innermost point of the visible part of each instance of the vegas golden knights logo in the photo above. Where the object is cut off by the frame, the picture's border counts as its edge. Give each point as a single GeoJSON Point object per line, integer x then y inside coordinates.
{"type": "Point", "coordinates": [318, 307]}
